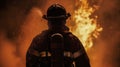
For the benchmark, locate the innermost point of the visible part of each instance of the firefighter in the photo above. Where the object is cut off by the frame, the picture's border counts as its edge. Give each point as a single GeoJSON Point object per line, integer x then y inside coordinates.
{"type": "Point", "coordinates": [56, 47]}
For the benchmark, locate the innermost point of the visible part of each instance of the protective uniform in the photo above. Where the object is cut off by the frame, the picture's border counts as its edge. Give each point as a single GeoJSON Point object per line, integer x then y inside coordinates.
{"type": "Point", "coordinates": [56, 47]}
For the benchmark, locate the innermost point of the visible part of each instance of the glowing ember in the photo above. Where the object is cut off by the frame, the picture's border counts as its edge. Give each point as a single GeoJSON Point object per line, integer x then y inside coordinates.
{"type": "Point", "coordinates": [85, 28]}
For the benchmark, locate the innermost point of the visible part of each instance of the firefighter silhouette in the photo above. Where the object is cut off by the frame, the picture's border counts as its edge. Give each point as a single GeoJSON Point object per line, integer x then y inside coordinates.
{"type": "Point", "coordinates": [56, 47]}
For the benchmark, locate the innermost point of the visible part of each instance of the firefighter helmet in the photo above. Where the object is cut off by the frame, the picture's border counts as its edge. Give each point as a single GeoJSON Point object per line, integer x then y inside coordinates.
{"type": "Point", "coordinates": [56, 11]}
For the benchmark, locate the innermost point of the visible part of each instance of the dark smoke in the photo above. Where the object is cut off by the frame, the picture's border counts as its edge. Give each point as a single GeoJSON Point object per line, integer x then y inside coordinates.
{"type": "Point", "coordinates": [13, 14]}
{"type": "Point", "coordinates": [20, 21]}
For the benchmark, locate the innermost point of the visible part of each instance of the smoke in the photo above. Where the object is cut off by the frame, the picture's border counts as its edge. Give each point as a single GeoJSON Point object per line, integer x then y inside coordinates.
{"type": "Point", "coordinates": [20, 21]}
{"type": "Point", "coordinates": [13, 52]}
{"type": "Point", "coordinates": [106, 49]}
{"type": "Point", "coordinates": [7, 52]}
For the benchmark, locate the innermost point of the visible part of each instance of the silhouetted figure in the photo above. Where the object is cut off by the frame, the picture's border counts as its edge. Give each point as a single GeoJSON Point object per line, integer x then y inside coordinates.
{"type": "Point", "coordinates": [56, 47]}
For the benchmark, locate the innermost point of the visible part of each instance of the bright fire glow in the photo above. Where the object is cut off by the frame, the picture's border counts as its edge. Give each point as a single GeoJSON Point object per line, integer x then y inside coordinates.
{"type": "Point", "coordinates": [85, 28]}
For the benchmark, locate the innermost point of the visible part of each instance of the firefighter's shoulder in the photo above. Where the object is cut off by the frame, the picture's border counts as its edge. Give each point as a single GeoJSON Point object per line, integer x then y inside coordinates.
{"type": "Point", "coordinates": [73, 38]}
{"type": "Point", "coordinates": [38, 39]}
{"type": "Point", "coordinates": [74, 41]}
{"type": "Point", "coordinates": [40, 35]}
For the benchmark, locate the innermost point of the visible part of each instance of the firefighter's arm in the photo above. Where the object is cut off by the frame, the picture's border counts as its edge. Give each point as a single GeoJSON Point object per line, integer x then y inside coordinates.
{"type": "Point", "coordinates": [81, 59]}
{"type": "Point", "coordinates": [31, 60]}
{"type": "Point", "coordinates": [32, 55]}
{"type": "Point", "coordinates": [80, 56]}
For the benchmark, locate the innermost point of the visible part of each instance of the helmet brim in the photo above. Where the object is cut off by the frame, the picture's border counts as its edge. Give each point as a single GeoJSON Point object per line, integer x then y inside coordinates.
{"type": "Point", "coordinates": [57, 17]}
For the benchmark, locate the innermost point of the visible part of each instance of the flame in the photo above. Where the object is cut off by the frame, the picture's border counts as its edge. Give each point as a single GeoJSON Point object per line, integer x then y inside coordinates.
{"type": "Point", "coordinates": [85, 27]}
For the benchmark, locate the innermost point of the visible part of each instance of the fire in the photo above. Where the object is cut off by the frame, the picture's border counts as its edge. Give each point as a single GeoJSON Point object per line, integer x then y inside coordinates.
{"type": "Point", "coordinates": [85, 27]}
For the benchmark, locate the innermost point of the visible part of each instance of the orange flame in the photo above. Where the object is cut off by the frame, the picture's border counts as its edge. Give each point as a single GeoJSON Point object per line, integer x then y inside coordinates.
{"type": "Point", "coordinates": [85, 28]}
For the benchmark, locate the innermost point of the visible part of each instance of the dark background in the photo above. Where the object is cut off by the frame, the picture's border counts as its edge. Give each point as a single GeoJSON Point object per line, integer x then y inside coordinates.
{"type": "Point", "coordinates": [20, 21]}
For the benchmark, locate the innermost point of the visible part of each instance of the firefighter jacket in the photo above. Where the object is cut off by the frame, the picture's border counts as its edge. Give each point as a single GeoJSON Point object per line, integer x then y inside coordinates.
{"type": "Point", "coordinates": [39, 53]}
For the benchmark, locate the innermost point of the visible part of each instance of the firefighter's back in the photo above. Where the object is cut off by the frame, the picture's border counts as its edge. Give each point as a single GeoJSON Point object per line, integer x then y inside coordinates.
{"type": "Point", "coordinates": [40, 51]}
